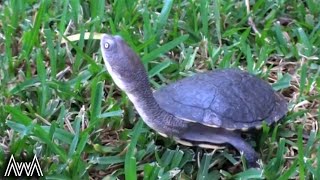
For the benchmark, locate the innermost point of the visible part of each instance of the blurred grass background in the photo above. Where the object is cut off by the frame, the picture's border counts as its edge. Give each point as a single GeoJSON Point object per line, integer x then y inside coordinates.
{"type": "Point", "coordinates": [58, 101]}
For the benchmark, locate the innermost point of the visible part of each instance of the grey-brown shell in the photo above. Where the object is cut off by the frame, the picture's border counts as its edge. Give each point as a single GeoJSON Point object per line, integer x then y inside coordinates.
{"type": "Point", "coordinates": [230, 99]}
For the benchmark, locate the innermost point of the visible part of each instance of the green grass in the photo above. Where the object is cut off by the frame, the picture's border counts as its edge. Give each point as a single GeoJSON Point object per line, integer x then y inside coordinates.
{"type": "Point", "coordinates": [58, 101]}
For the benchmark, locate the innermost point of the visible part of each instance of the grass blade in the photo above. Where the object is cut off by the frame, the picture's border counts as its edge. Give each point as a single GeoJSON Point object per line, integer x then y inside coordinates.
{"type": "Point", "coordinates": [204, 17]}
{"type": "Point", "coordinates": [130, 166]}
{"type": "Point", "coordinates": [31, 37]}
{"type": "Point", "coordinates": [286, 175]}
{"type": "Point", "coordinates": [52, 53]}
{"type": "Point", "coordinates": [163, 49]}
{"type": "Point", "coordinates": [95, 67]}
{"type": "Point", "coordinates": [252, 173]}
{"type": "Point", "coordinates": [158, 68]}
{"type": "Point", "coordinates": [305, 41]}
{"type": "Point", "coordinates": [41, 70]}
{"type": "Point", "coordinates": [97, 96]}
{"type": "Point", "coordinates": [109, 160]}
{"type": "Point", "coordinates": [37, 130]}
{"type": "Point", "coordinates": [163, 18]}
{"type": "Point", "coordinates": [111, 114]}
{"type": "Point", "coordinates": [216, 10]}
{"type": "Point", "coordinates": [282, 83]}
{"type": "Point", "coordinates": [301, 155]}
{"type": "Point", "coordinates": [204, 167]}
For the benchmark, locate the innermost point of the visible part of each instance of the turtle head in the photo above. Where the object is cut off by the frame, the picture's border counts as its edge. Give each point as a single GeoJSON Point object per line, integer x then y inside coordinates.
{"type": "Point", "coordinates": [123, 64]}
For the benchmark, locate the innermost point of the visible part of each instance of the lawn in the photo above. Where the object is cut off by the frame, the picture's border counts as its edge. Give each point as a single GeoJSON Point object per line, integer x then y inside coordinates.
{"type": "Point", "coordinates": [58, 101]}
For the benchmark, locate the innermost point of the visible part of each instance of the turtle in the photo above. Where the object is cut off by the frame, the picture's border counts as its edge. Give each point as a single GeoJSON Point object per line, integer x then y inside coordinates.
{"type": "Point", "coordinates": [207, 109]}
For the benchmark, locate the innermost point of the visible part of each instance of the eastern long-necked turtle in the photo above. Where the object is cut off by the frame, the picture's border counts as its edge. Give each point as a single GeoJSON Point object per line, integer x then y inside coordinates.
{"type": "Point", "coordinates": [206, 109]}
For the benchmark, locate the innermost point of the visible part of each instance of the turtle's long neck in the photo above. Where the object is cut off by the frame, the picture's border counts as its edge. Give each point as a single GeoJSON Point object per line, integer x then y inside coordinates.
{"type": "Point", "coordinates": [152, 114]}
{"type": "Point", "coordinates": [145, 103]}
{"type": "Point", "coordinates": [138, 89]}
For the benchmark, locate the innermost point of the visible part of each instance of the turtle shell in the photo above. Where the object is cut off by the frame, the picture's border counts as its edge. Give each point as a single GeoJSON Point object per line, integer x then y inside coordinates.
{"type": "Point", "coordinates": [229, 99]}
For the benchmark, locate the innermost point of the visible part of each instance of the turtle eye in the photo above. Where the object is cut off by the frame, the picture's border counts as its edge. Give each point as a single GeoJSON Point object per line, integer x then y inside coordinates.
{"type": "Point", "coordinates": [106, 45]}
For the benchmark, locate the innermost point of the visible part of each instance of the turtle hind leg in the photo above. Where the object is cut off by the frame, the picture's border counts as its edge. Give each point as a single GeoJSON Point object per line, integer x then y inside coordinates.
{"type": "Point", "coordinates": [221, 136]}
{"type": "Point", "coordinates": [249, 153]}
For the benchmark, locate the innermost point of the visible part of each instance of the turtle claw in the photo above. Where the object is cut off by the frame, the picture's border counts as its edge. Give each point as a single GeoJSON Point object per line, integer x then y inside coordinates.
{"type": "Point", "coordinates": [253, 159]}
{"type": "Point", "coordinates": [253, 164]}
